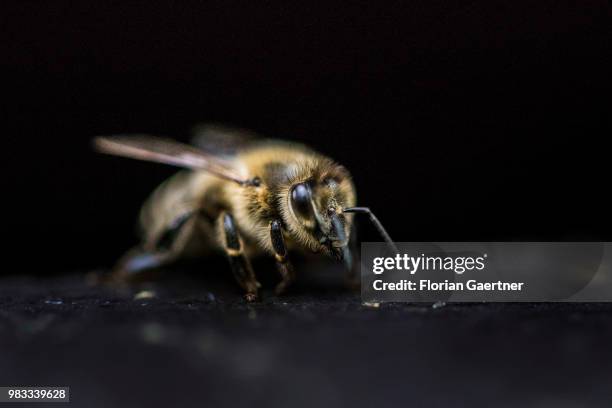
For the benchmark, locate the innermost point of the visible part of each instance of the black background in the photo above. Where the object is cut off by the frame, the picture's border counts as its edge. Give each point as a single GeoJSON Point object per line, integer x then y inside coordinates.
{"type": "Point", "coordinates": [459, 120]}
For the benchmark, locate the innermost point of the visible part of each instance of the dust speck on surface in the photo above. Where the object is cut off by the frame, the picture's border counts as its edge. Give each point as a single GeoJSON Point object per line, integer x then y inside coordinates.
{"type": "Point", "coordinates": [145, 294]}
{"type": "Point", "coordinates": [439, 304]}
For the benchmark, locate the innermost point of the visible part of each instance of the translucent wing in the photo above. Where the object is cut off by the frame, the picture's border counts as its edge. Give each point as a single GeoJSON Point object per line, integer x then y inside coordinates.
{"type": "Point", "coordinates": [222, 140]}
{"type": "Point", "coordinates": [167, 151]}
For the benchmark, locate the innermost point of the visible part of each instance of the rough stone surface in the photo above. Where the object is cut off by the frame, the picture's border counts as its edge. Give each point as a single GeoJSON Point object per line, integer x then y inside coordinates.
{"type": "Point", "coordinates": [185, 342]}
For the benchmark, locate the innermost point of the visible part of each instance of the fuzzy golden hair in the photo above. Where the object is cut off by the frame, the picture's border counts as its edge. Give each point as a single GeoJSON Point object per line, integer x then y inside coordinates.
{"type": "Point", "coordinates": [280, 166]}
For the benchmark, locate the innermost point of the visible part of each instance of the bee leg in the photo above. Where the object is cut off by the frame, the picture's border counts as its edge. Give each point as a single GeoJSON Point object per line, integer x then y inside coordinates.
{"type": "Point", "coordinates": [241, 267]}
{"type": "Point", "coordinates": [139, 263]}
{"type": "Point", "coordinates": [282, 259]}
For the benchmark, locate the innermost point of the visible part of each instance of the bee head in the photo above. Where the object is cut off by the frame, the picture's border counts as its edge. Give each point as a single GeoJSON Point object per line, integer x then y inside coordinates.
{"type": "Point", "coordinates": [315, 209]}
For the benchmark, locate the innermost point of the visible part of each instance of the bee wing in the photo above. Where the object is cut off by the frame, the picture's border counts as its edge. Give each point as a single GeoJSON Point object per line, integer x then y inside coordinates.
{"type": "Point", "coordinates": [167, 151]}
{"type": "Point", "coordinates": [220, 139]}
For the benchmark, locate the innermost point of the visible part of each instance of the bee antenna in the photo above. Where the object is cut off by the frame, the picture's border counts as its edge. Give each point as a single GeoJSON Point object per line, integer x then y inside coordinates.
{"type": "Point", "coordinates": [381, 230]}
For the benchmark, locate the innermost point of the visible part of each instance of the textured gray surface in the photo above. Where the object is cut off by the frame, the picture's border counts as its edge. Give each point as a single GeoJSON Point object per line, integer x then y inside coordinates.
{"type": "Point", "coordinates": [199, 344]}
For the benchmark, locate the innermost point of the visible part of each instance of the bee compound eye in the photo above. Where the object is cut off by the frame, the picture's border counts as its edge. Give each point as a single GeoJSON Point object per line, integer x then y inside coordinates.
{"type": "Point", "coordinates": [301, 198]}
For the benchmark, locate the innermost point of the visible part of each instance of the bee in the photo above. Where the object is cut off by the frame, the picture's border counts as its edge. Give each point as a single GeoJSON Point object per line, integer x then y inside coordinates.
{"type": "Point", "coordinates": [242, 195]}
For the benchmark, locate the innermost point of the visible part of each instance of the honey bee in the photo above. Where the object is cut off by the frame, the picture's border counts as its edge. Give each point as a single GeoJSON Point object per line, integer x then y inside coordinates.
{"type": "Point", "coordinates": [243, 195]}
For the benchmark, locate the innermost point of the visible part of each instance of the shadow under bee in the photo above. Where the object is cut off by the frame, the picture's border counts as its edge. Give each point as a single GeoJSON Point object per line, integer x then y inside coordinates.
{"type": "Point", "coordinates": [209, 274]}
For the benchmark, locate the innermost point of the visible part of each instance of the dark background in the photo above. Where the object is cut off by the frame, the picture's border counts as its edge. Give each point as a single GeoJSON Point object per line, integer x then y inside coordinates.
{"type": "Point", "coordinates": [459, 120]}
